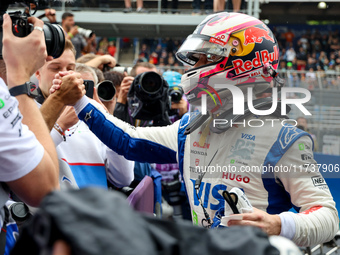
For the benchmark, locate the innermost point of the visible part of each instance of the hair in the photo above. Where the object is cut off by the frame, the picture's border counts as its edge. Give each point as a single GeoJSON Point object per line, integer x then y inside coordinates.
{"type": "Point", "coordinates": [86, 58]}
{"type": "Point", "coordinates": [141, 64]}
{"type": "Point", "coordinates": [115, 77]}
{"type": "Point", "coordinates": [3, 70]}
{"type": "Point", "coordinates": [69, 46]}
{"type": "Point", "coordinates": [82, 68]}
{"type": "Point", "coordinates": [66, 15]}
{"type": "Point", "coordinates": [99, 74]}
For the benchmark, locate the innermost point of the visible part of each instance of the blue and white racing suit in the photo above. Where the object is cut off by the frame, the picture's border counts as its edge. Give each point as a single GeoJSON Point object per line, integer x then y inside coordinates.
{"type": "Point", "coordinates": [273, 164]}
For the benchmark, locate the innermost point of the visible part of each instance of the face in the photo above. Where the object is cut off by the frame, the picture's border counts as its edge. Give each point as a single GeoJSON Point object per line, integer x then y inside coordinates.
{"type": "Point", "coordinates": [202, 61]}
{"type": "Point", "coordinates": [46, 74]}
{"type": "Point", "coordinates": [68, 23]}
{"type": "Point", "coordinates": [142, 69]}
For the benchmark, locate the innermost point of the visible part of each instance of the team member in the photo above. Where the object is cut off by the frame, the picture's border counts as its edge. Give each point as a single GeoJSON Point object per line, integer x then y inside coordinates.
{"type": "Point", "coordinates": [239, 50]}
{"type": "Point", "coordinates": [29, 164]}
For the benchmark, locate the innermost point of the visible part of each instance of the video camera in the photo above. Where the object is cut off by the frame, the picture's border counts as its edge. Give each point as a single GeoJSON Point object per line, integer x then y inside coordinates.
{"type": "Point", "coordinates": [54, 34]}
{"type": "Point", "coordinates": [148, 98]}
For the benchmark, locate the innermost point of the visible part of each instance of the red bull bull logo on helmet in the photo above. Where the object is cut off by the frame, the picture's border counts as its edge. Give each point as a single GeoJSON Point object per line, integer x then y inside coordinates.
{"type": "Point", "coordinates": [246, 66]}
{"type": "Point", "coordinates": [256, 35]}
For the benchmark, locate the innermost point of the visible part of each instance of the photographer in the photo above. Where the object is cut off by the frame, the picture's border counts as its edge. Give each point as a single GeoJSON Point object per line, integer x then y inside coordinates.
{"type": "Point", "coordinates": [123, 109]}
{"type": "Point", "coordinates": [29, 164]}
{"type": "Point", "coordinates": [72, 33]}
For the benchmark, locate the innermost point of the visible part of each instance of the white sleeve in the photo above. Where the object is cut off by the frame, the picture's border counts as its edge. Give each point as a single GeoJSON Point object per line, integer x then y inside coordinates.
{"type": "Point", "coordinates": [317, 221]}
{"type": "Point", "coordinates": [119, 170]}
{"type": "Point", "coordinates": [20, 151]}
{"type": "Point", "coordinates": [143, 144]}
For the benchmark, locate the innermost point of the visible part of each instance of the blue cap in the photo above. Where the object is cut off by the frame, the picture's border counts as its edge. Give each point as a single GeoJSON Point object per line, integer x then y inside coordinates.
{"type": "Point", "coordinates": [172, 78]}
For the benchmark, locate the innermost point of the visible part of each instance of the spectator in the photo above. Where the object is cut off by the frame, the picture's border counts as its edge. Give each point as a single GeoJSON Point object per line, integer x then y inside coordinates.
{"type": "Point", "coordinates": [235, 5]}
{"type": "Point", "coordinates": [29, 163]}
{"type": "Point", "coordinates": [165, 6]}
{"type": "Point", "coordinates": [103, 44]}
{"type": "Point", "coordinates": [301, 57]}
{"type": "Point", "coordinates": [219, 5]}
{"type": "Point", "coordinates": [208, 7]}
{"type": "Point", "coordinates": [128, 7]}
{"type": "Point", "coordinates": [290, 54]}
{"type": "Point", "coordinates": [111, 49]}
{"type": "Point", "coordinates": [89, 162]}
{"type": "Point", "coordinates": [289, 36]}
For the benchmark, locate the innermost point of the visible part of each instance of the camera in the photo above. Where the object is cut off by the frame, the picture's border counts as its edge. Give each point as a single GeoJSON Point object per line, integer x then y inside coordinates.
{"type": "Point", "coordinates": [89, 85]}
{"type": "Point", "coordinates": [54, 34]}
{"type": "Point", "coordinates": [106, 90]}
{"type": "Point", "coordinates": [174, 80]}
{"type": "Point", "coordinates": [122, 69]}
{"type": "Point", "coordinates": [85, 32]}
{"type": "Point", "coordinates": [176, 94]}
{"type": "Point", "coordinates": [148, 98]}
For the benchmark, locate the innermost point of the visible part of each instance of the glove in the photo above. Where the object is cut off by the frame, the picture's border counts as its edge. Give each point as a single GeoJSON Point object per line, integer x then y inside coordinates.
{"type": "Point", "coordinates": [236, 203]}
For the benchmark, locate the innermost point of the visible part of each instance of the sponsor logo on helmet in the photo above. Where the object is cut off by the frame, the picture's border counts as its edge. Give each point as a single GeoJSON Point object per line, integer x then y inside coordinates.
{"type": "Point", "coordinates": [217, 41]}
{"type": "Point", "coordinates": [256, 35]}
{"type": "Point", "coordinates": [264, 56]}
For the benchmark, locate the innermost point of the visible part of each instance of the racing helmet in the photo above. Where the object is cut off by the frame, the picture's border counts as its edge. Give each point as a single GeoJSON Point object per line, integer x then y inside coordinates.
{"type": "Point", "coordinates": [240, 50]}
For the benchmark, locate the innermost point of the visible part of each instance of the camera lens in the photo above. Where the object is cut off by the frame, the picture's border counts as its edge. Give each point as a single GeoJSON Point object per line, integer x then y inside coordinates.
{"type": "Point", "coordinates": [106, 90]}
{"type": "Point", "coordinates": [175, 96]}
{"type": "Point", "coordinates": [151, 82]}
{"type": "Point", "coordinates": [54, 40]}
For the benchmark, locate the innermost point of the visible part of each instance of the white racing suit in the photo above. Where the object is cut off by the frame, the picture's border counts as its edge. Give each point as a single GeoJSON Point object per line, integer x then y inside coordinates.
{"type": "Point", "coordinates": [274, 167]}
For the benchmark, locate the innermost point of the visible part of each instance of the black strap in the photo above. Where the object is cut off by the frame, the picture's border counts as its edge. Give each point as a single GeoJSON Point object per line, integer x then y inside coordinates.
{"type": "Point", "coordinates": [4, 231]}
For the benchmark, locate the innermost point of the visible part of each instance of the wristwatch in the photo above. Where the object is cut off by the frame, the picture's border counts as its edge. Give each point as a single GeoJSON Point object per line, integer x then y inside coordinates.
{"type": "Point", "coordinates": [28, 88]}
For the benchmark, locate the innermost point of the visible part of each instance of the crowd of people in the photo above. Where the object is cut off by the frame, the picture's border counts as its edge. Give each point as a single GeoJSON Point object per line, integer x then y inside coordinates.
{"type": "Point", "coordinates": [74, 136]}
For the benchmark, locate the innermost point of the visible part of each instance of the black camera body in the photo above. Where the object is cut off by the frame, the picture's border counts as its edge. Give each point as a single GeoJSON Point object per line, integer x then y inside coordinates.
{"type": "Point", "coordinates": [148, 98]}
{"type": "Point", "coordinates": [20, 25]}
{"type": "Point", "coordinates": [54, 34]}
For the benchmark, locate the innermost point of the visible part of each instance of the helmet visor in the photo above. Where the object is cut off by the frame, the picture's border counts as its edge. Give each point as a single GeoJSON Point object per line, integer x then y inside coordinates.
{"type": "Point", "coordinates": [195, 45]}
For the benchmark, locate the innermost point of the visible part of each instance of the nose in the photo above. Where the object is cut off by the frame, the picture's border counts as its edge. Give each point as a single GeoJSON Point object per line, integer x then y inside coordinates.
{"type": "Point", "coordinates": [202, 61]}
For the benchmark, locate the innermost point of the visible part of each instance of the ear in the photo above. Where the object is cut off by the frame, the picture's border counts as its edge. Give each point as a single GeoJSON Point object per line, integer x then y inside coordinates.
{"type": "Point", "coordinates": [37, 74]}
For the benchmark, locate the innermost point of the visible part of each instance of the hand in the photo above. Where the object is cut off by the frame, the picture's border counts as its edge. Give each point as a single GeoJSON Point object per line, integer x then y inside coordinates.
{"type": "Point", "coordinates": [68, 87]}
{"type": "Point", "coordinates": [60, 247]}
{"type": "Point", "coordinates": [74, 30]}
{"type": "Point", "coordinates": [182, 107]}
{"type": "Point", "coordinates": [99, 61]}
{"type": "Point", "coordinates": [23, 56]}
{"type": "Point", "coordinates": [124, 89]}
{"type": "Point", "coordinates": [68, 118]}
{"type": "Point", "coordinates": [108, 60]}
{"type": "Point", "coordinates": [271, 224]}
{"type": "Point", "coordinates": [50, 14]}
